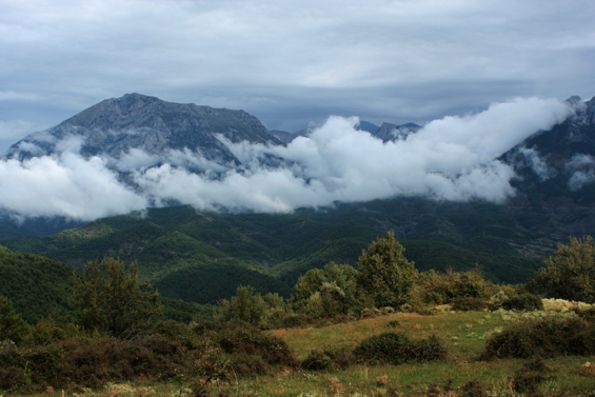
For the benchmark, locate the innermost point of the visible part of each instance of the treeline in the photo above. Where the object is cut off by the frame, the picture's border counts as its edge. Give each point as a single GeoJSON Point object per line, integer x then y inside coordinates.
{"type": "Point", "coordinates": [384, 281]}
{"type": "Point", "coordinates": [118, 330]}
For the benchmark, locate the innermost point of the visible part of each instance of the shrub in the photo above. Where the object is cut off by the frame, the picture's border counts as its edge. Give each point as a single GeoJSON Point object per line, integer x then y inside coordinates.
{"type": "Point", "coordinates": [111, 299]}
{"type": "Point", "coordinates": [317, 361]}
{"type": "Point", "coordinates": [393, 324]}
{"type": "Point", "coordinates": [386, 275]}
{"type": "Point", "coordinates": [473, 389]}
{"type": "Point", "coordinates": [396, 348]}
{"type": "Point", "coordinates": [546, 338]}
{"type": "Point", "coordinates": [327, 292]}
{"type": "Point", "coordinates": [523, 302]}
{"type": "Point", "coordinates": [530, 376]}
{"type": "Point", "coordinates": [429, 349]}
{"type": "Point", "coordinates": [92, 362]}
{"type": "Point", "coordinates": [327, 359]}
{"type": "Point", "coordinates": [248, 341]}
{"type": "Point", "coordinates": [247, 305]}
{"type": "Point", "coordinates": [48, 330]}
{"type": "Point", "coordinates": [570, 273]}
{"type": "Point", "coordinates": [469, 304]}
{"type": "Point", "coordinates": [442, 288]}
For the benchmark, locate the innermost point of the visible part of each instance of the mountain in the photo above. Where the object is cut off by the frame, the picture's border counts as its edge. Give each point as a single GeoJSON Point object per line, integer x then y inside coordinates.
{"type": "Point", "coordinates": [558, 164]}
{"type": "Point", "coordinates": [389, 131]}
{"type": "Point", "coordinates": [115, 126]}
{"type": "Point", "coordinates": [203, 256]}
{"type": "Point", "coordinates": [283, 136]}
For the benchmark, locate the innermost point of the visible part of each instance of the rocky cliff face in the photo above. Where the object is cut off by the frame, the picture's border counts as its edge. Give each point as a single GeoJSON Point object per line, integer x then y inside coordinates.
{"type": "Point", "coordinates": [115, 126]}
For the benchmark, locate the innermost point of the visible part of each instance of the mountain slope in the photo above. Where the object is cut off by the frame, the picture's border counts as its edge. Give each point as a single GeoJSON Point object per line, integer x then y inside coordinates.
{"type": "Point", "coordinates": [36, 285]}
{"type": "Point", "coordinates": [115, 126]}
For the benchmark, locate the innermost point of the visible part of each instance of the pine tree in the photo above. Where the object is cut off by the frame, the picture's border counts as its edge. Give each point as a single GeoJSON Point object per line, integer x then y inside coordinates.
{"type": "Point", "coordinates": [111, 299]}
{"type": "Point", "coordinates": [386, 275]}
{"type": "Point", "coordinates": [570, 273]}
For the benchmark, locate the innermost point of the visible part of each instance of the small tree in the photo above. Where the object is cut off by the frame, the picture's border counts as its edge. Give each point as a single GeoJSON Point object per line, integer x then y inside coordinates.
{"type": "Point", "coordinates": [110, 299]}
{"type": "Point", "coordinates": [386, 274]}
{"type": "Point", "coordinates": [12, 325]}
{"type": "Point", "coordinates": [570, 273]}
{"type": "Point", "coordinates": [327, 292]}
{"type": "Point", "coordinates": [246, 306]}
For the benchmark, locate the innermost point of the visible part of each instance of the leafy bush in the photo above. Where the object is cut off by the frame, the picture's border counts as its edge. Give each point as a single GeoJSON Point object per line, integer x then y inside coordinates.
{"type": "Point", "coordinates": [570, 273]}
{"type": "Point", "coordinates": [327, 292]}
{"type": "Point", "coordinates": [251, 342]}
{"type": "Point", "coordinates": [429, 349]}
{"type": "Point", "coordinates": [328, 359]}
{"type": "Point", "coordinates": [92, 362]}
{"type": "Point", "coordinates": [393, 324]}
{"type": "Point", "coordinates": [545, 338]}
{"type": "Point", "coordinates": [386, 275]}
{"type": "Point", "coordinates": [396, 348]}
{"type": "Point", "coordinates": [473, 389]}
{"type": "Point", "coordinates": [317, 361]}
{"type": "Point", "coordinates": [50, 330]}
{"type": "Point", "coordinates": [442, 288]}
{"type": "Point", "coordinates": [110, 299]}
{"type": "Point", "coordinates": [246, 306]}
{"type": "Point", "coordinates": [530, 376]}
{"type": "Point", "coordinates": [469, 304]}
{"type": "Point", "coordinates": [523, 302]}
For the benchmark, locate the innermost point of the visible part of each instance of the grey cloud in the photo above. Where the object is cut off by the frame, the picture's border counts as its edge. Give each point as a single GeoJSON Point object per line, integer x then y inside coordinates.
{"type": "Point", "coordinates": [291, 63]}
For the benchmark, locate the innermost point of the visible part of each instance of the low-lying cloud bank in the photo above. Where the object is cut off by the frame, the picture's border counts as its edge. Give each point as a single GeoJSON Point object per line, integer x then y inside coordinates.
{"type": "Point", "coordinates": [453, 158]}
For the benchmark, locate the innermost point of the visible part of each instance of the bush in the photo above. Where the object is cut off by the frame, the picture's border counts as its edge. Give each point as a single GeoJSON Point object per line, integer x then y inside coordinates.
{"type": "Point", "coordinates": [328, 359]}
{"type": "Point", "coordinates": [473, 389]}
{"type": "Point", "coordinates": [523, 302]}
{"type": "Point", "coordinates": [530, 376]}
{"type": "Point", "coordinates": [251, 342]}
{"type": "Point", "coordinates": [469, 304]}
{"type": "Point", "coordinates": [570, 273]}
{"type": "Point", "coordinates": [446, 288]}
{"type": "Point", "coordinates": [92, 362]}
{"type": "Point", "coordinates": [317, 361]}
{"type": "Point", "coordinates": [545, 338]}
{"type": "Point", "coordinates": [429, 349]}
{"type": "Point", "coordinates": [393, 324]}
{"type": "Point", "coordinates": [386, 275]}
{"type": "Point", "coordinates": [396, 348]}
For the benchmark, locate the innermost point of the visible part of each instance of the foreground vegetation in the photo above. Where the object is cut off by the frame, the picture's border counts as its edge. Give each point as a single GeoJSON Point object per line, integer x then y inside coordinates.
{"type": "Point", "coordinates": [381, 328]}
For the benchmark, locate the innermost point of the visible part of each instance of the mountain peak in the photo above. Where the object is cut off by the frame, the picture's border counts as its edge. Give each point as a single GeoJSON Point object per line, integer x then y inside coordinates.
{"type": "Point", "coordinates": [136, 121]}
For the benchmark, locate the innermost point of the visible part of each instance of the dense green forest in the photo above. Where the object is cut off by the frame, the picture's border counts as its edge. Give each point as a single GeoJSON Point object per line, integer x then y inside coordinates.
{"type": "Point", "coordinates": [270, 252]}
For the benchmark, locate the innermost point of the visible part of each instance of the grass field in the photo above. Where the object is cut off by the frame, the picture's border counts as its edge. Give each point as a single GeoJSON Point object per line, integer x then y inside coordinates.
{"type": "Point", "coordinates": [464, 334]}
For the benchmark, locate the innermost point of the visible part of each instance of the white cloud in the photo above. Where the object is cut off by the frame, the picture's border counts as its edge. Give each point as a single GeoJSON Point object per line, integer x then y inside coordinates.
{"type": "Point", "coordinates": [453, 158]}
{"type": "Point", "coordinates": [67, 186]}
{"type": "Point", "coordinates": [536, 163]}
{"type": "Point", "coordinates": [581, 178]}
{"type": "Point", "coordinates": [582, 167]}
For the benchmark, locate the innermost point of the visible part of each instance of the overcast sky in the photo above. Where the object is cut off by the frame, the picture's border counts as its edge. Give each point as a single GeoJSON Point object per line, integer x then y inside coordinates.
{"type": "Point", "coordinates": [291, 62]}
